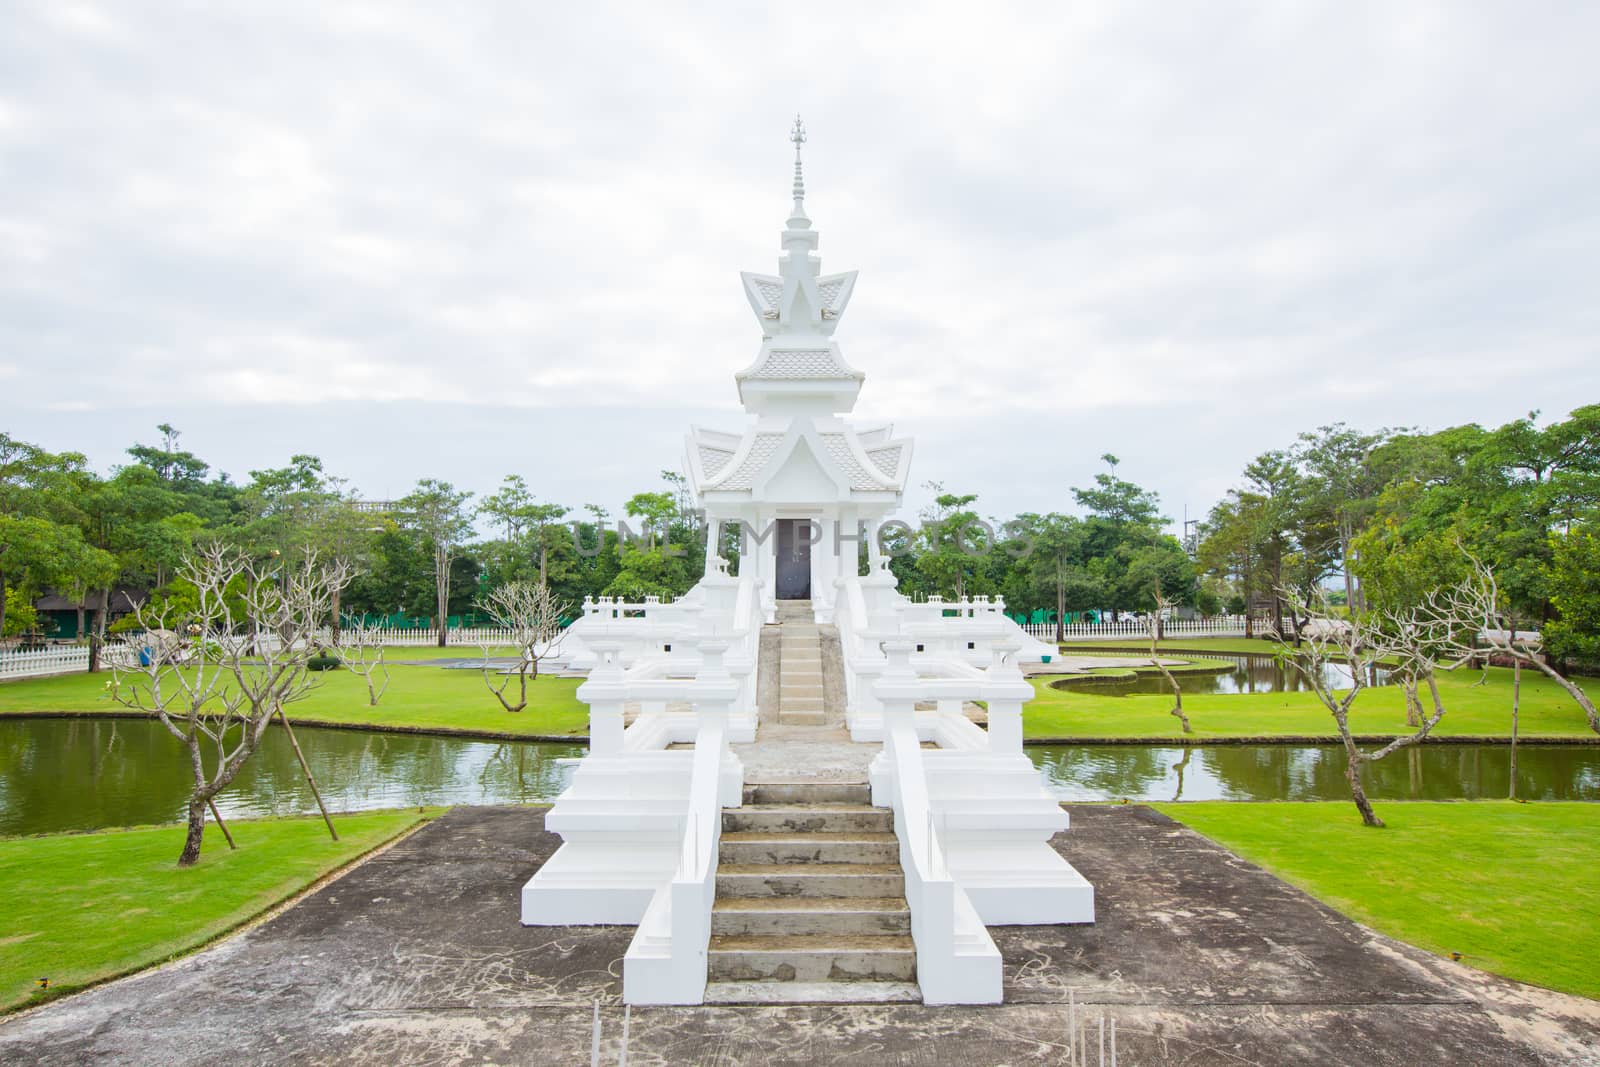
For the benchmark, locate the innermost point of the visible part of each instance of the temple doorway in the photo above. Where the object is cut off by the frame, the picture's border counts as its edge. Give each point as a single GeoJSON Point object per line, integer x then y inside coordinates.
{"type": "Point", "coordinates": [794, 559]}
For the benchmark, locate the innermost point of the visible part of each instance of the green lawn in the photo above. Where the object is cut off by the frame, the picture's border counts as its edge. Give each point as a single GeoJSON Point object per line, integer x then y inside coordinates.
{"type": "Point", "coordinates": [1509, 886]}
{"type": "Point", "coordinates": [82, 908]}
{"type": "Point", "coordinates": [418, 697]}
{"type": "Point", "coordinates": [1471, 710]}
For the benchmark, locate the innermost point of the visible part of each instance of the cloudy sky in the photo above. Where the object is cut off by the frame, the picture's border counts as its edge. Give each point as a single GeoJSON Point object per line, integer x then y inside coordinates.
{"type": "Point", "coordinates": [474, 239]}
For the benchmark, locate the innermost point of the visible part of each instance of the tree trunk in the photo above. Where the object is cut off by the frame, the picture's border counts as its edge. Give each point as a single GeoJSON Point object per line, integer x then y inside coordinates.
{"type": "Point", "coordinates": [333, 621]}
{"type": "Point", "coordinates": [197, 829]}
{"type": "Point", "coordinates": [1413, 705]}
{"type": "Point", "coordinates": [82, 633]}
{"type": "Point", "coordinates": [1516, 699]}
{"type": "Point", "coordinates": [1277, 597]}
{"type": "Point", "coordinates": [2, 602]}
{"type": "Point", "coordinates": [1177, 700]}
{"type": "Point", "coordinates": [1344, 565]}
{"type": "Point", "coordinates": [544, 561]}
{"type": "Point", "coordinates": [441, 586]}
{"type": "Point", "coordinates": [1061, 612]}
{"type": "Point", "coordinates": [1352, 771]}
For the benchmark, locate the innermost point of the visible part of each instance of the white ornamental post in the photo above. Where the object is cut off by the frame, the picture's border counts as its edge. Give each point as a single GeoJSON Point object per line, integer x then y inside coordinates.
{"type": "Point", "coordinates": [605, 692]}
{"type": "Point", "coordinates": [1005, 690]}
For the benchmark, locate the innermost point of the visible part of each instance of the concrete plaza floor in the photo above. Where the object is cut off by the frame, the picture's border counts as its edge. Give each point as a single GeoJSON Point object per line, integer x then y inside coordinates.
{"type": "Point", "coordinates": [417, 957]}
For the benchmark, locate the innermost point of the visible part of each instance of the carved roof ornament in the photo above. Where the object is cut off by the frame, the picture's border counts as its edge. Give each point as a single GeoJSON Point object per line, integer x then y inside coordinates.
{"type": "Point", "coordinates": [798, 309]}
{"type": "Point", "coordinates": [797, 135]}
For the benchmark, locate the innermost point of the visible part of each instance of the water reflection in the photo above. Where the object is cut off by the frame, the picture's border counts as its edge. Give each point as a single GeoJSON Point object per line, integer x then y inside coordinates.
{"type": "Point", "coordinates": [1315, 772]}
{"type": "Point", "coordinates": [82, 774]}
{"type": "Point", "coordinates": [1245, 674]}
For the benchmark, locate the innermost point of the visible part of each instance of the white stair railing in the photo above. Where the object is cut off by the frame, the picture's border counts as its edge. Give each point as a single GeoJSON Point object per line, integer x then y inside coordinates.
{"type": "Point", "coordinates": [957, 961]}
{"type": "Point", "coordinates": [666, 961]}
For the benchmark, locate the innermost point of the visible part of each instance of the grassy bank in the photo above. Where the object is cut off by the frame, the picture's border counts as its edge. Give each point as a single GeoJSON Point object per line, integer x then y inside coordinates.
{"type": "Point", "coordinates": [1472, 710]}
{"type": "Point", "coordinates": [82, 908]}
{"type": "Point", "coordinates": [419, 697]}
{"type": "Point", "coordinates": [1509, 886]}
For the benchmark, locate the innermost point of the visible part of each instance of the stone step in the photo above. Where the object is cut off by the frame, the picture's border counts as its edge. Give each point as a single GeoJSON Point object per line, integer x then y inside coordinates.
{"type": "Point", "coordinates": [811, 958]}
{"type": "Point", "coordinates": [802, 718]}
{"type": "Point", "coordinates": [850, 916]}
{"type": "Point", "coordinates": [813, 993]}
{"type": "Point", "coordinates": [787, 692]}
{"type": "Point", "coordinates": [817, 848]}
{"type": "Point", "coordinates": [800, 793]}
{"type": "Point", "coordinates": [807, 819]}
{"type": "Point", "coordinates": [810, 880]}
{"type": "Point", "coordinates": [800, 704]}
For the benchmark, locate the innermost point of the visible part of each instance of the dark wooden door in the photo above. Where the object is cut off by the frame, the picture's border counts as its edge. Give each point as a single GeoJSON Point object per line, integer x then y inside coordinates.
{"type": "Point", "coordinates": [794, 560]}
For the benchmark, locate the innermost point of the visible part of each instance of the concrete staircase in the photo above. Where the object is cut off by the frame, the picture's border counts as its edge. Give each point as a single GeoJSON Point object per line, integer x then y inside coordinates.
{"type": "Point", "coordinates": [800, 693]}
{"type": "Point", "coordinates": [810, 901]}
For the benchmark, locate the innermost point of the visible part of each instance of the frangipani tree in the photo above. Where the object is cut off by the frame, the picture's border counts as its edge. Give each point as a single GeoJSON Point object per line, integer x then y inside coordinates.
{"type": "Point", "coordinates": [1408, 641]}
{"type": "Point", "coordinates": [212, 688]}
{"type": "Point", "coordinates": [1152, 626]}
{"type": "Point", "coordinates": [533, 615]}
{"type": "Point", "coordinates": [361, 649]}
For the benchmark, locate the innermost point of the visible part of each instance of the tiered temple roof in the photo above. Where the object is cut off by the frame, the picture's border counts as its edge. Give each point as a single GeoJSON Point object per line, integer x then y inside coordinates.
{"type": "Point", "coordinates": [799, 384]}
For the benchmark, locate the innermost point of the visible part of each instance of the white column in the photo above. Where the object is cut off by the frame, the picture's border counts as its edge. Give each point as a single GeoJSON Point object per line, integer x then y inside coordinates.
{"type": "Point", "coordinates": [766, 561]}
{"type": "Point", "coordinates": [713, 543]}
{"type": "Point", "coordinates": [874, 549]}
{"type": "Point", "coordinates": [825, 561]}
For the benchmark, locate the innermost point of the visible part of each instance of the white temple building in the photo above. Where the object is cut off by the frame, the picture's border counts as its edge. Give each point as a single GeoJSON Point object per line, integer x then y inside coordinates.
{"type": "Point", "coordinates": [896, 828]}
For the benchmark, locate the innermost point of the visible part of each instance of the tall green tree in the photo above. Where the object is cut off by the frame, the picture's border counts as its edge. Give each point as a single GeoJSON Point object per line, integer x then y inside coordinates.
{"type": "Point", "coordinates": [953, 543]}
{"type": "Point", "coordinates": [1341, 482]}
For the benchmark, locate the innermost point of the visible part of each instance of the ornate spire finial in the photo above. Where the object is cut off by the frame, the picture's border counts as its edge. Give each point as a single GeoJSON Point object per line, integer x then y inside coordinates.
{"type": "Point", "coordinates": [797, 135]}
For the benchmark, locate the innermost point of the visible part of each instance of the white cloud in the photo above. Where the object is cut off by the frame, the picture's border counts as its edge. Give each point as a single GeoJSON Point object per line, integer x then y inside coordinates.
{"type": "Point", "coordinates": [1064, 215]}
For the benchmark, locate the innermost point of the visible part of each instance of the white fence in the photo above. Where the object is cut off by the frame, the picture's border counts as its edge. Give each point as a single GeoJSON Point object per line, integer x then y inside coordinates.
{"type": "Point", "coordinates": [62, 659]}
{"type": "Point", "coordinates": [473, 636]}
{"type": "Point", "coordinates": [69, 659]}
{"type": "Point", "coordinates": [1134, 629]}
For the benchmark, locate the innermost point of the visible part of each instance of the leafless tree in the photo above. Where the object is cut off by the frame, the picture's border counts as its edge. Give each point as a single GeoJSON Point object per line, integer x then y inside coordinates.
{"type": "Point", "coordinates": [1152, 625]}
{"type": "Point", "coordinates": [533, 615]}
{"type": "Point", "coordinates": [361, 651]}
{"type": "Point", "coordinates": [1409, 640]}
{"type": "Point", "coordinates": [200, 676]}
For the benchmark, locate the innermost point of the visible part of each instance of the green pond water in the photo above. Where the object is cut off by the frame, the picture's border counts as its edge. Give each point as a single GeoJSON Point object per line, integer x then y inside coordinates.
{"type": "Point", "coordinates": [1243, 674]}
{"type": "Point", "coordinates": [1316, 772]}
{"type": "Point", "coordinates": [84, 774]}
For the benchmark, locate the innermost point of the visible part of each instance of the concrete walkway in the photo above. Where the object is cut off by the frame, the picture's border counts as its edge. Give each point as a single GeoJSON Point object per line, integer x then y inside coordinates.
{"type": "Point", "coordinates": [417, 957]}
